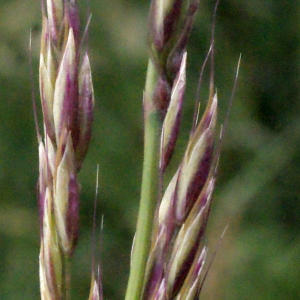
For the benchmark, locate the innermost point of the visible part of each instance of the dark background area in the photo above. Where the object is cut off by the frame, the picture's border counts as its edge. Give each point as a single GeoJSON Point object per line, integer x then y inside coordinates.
{"type": "Point", "coordinates": [257, 193]}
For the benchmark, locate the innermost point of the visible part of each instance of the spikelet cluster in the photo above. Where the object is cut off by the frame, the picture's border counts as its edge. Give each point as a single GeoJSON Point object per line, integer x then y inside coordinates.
{"type": "Point", "coordinates": [170, 23]}
{"type": "Point", "coordinates": [67, 100]}
{"type": "Point", "coordinates": [178, 253]}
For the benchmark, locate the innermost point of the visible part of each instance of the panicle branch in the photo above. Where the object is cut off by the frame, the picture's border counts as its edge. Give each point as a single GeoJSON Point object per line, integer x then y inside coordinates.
{"type": "Point", "coordinates": [177, 255]}
{"type": "Point", "coordinates": [67, 99]}
{"type": "Point", "coordinates": [170, 23]}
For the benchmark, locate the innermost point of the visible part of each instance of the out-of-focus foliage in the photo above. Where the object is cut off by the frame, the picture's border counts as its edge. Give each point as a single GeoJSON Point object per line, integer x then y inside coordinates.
{"type": "Point", "coordinates": [258, 188]}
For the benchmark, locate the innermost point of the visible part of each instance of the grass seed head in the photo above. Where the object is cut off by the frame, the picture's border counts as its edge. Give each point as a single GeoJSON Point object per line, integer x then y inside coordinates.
{"type": "Point", "coordinates": [67, 99]}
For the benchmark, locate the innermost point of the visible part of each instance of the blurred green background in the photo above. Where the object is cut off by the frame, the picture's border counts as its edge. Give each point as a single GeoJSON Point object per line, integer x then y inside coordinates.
{"type": "Point", "coordinates": [258, 188]}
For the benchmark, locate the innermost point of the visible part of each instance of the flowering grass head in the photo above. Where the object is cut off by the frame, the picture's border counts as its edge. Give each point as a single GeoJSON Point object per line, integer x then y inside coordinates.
{"type": "Point", "coordinates": [67, 99]}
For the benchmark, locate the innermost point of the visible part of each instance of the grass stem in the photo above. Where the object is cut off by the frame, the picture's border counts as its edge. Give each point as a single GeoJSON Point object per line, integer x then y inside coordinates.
{"type": "Point", "coordinates": [149, 191]}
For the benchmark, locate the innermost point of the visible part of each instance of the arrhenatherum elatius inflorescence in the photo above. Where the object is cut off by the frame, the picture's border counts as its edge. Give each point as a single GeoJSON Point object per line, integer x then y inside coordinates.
{"type": "Point", "coordinates": [67, 99]}
{"type": "Point", "coordinates": [168, 252]}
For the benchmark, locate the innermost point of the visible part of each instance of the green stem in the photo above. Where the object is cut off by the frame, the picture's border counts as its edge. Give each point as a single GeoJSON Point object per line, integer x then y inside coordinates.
{"type": "Point", "coordinates": [149, 192]}
{"type": "Point", "coordinates": [67, 276]}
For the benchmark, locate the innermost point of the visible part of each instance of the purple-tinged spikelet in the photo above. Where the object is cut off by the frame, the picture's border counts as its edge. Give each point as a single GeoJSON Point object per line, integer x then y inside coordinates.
{"type": "Point", "coordinates": [164, 16]}
{"type": "Point", "coordinates": [197, 162]}
{"type": "Point", "coordinates": [188, 240]}
{"type": "Point", "coordinates": [66, 90]}
{"type": "Point", "coordinates": [85, 110]}
{"type": "Point", "coordinates": [172, 119]}
{"type": "Point", "coordinates": [50, 255]}
{"type": "Point", "coordinates": [66, 199]}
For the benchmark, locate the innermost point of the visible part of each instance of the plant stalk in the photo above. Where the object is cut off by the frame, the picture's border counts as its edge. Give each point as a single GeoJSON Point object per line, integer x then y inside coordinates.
{"type": "Point", "coordinates": [149, 190]}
